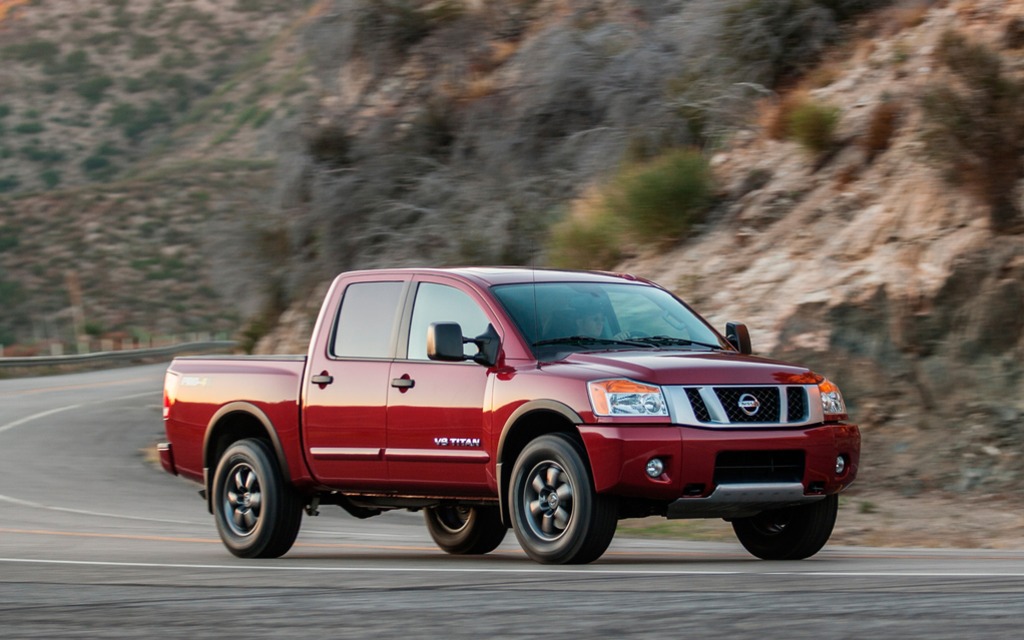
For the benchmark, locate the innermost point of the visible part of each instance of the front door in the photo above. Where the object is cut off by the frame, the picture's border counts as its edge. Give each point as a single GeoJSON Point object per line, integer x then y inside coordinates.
{"type": "Point", "coordinates": [436, 410]}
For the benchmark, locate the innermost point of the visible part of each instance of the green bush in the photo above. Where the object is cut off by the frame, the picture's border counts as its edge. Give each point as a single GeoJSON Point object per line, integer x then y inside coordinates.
{"type": "Point", "coordinates": [135, 122]}
{"type": "Point", "coordinates": [9, 183]}
{"type": "Point", "coordinates": [144, 46]}
{"type": "Point", "coordinates": [594, 243]}
{"type": "Point", "coordinates": [659, 201]}
{"type": "Point", "coordinates": [32, 52]}
{"type": "Point", "coordinates": [30, 128]}
{"type": "Point", "coordinates": [97, 167]}
{"type": "Point", "coordinates": [649, 203]}
{"type": "Point", "coordinates": [813, 125]}
{"type": "Point", "coordinates": [75, 63]}
{"type": "Point", "coordinates": [5, 110]}
{"type": "Point", "coordinates": [94, 88]}
{"type": "Point", "coordinates": [9, 238]}
{"type": "Point", "coordinates": [51, 178]}
{"type": "Point", "coordinates": [35, 153]}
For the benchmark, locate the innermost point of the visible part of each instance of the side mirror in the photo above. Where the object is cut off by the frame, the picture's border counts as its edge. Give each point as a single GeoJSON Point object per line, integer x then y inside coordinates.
{"type": "Point", "coordinates": [444, 343]}
{"type": "Point", "coordinates": [738, 336]}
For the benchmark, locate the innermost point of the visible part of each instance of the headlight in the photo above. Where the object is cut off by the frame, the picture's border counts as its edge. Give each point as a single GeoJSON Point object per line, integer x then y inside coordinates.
{"type": "Point", "coordinates": [626, 398]}
{"type": "Point", "coordinates": [832, 404]}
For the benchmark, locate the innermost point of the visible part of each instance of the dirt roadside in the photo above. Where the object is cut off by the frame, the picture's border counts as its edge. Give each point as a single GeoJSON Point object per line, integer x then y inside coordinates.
{"type": "Point", "coordinates": [879, 518]}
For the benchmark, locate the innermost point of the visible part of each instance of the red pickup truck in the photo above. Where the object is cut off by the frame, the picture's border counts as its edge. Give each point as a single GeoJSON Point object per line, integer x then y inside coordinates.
{"type": "Point", "coordinates": [550, 402]}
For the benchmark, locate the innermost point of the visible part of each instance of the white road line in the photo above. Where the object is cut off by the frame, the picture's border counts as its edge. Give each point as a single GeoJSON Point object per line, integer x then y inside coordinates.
{"type": "Point", "coordinates": [83, 512]}
{"type": "Point", "coordinates": [50, 412]}
{"type": "Point", "coordinates": [581, 571]}
{"type": "Point", "coordinates": [37, 416]}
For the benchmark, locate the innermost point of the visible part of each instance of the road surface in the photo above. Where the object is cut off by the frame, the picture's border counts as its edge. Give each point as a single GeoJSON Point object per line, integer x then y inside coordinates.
{"type": "Point", "coordinates": [97, 541]}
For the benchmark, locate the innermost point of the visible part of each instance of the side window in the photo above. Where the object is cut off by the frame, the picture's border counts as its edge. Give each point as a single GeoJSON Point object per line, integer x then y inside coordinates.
{"type": "Point", "coordinates": [367, 320]}
{"type": "Point", "coordinates": [441, 303]}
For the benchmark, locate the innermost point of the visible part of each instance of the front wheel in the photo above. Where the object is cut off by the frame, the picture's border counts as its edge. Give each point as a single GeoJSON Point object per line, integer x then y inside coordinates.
{"type": "Point", "coordinates": [258, 515]}
{"type": "Point", "coordinates": [557, 516]}
{"type": "Point", "coordinates": [463, 530]}
{"type": "Point", "coordinates": [793, 533]}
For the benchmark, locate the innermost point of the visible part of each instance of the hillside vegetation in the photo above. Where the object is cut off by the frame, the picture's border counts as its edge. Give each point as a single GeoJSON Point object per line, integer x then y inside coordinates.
{"type": "Point", "coordinates": [844, 175]}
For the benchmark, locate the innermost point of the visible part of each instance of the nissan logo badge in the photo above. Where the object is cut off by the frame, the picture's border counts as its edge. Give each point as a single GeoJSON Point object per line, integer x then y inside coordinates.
{"type": "Point", "coordinates": [749, 405]}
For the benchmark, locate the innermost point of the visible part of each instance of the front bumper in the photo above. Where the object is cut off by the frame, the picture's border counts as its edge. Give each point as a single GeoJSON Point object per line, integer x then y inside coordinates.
{"type": "Point", "coordinates": [619, 455]}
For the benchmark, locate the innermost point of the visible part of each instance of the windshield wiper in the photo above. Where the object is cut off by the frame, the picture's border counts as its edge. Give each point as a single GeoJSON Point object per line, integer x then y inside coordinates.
{"type": "Point", "coordinates": [666, 341]}
{"type": "Point", "coordinates": [588, 340]}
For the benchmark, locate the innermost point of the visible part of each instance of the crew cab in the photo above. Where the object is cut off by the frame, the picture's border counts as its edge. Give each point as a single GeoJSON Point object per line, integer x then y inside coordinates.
{"type": "Point", "coordinates": [554, 403]}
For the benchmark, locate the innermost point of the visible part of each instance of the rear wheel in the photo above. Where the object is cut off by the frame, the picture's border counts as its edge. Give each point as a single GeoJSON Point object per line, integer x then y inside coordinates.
{"type": "Point", "coordinates": [461, 530]}
{"type": "Point", "coordinates": [793, 533]}
{"type": "Point", "coordinates": [257, 514]}
{"type": "Point", "coordinates": [557, 516]}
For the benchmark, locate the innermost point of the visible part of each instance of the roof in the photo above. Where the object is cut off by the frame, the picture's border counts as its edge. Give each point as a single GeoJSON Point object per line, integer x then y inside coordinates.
{"type": "Point", "coordinates": [489, 276]}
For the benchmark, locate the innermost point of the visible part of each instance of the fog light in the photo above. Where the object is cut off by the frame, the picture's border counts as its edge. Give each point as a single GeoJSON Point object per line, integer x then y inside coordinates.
{"type": "Point", "coordinates": [840, 465]}
{"type": "Point", "coordinates": [655, 467]}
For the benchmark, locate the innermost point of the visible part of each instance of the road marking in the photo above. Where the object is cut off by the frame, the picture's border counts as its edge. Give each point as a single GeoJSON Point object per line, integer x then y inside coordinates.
{"type": "Point", "coordinates": [50, 412]}
{"type": "Point", "coordinates": [37, 416]}
{"type": "Point", "coordinates": [83, 512]}
{"type": "Point", "coordinates": [278, 565]}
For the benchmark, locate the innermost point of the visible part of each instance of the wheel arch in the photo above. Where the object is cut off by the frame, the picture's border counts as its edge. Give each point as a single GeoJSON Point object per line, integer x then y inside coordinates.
{"type": "Point", "coordinates": [233, 422]}
{"type": "Point", "coordinates": [526, 423]}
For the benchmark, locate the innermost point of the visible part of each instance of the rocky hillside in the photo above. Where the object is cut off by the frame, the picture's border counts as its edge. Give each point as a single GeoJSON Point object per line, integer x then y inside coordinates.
{"type": "Point", "coordinates": [137, 141]}
{"type": "Point", "coordinates": [865, 216]}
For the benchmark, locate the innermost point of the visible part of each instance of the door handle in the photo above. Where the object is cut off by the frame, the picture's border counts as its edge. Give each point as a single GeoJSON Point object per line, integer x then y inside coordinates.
{"type": "Point", "coordinates": [405, 382]}
{"type": "Point", "coordinates": [323, 379]}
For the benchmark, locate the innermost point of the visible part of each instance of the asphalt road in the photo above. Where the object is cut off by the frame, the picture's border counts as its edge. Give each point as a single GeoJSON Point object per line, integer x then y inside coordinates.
{"type": "Point", "coordinates": [97, 542]}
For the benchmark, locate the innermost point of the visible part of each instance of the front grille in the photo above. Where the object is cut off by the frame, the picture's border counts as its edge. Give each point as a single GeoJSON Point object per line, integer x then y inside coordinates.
{"type": "Point", "coordinates": [750, 404]}
{"type": "Point", "coordinates": [742, 407]}
{"type": "Point", "coordinates": [796, 399]}
{"type": "Point", "coordinates": [735, 467]}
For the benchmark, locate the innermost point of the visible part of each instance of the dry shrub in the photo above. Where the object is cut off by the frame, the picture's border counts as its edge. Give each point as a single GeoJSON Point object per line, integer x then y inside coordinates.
{"type": "Point", "coordinates": [881, 126]}
{"type": "Point", "coordinates": [585, 243]}
{"type": "Point", "coordinates": [974, 126]}
{"type": "Point", "coordinates": [810, 123]}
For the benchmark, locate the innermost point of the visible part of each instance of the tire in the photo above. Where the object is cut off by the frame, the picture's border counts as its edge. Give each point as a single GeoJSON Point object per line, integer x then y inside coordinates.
{"type": "Point", "coordinates": [793, 533]}
{"type": "Point", "coordinates": [556, 515]}
{"type": "Point", "coordinates": [465, 530]}
{"type": "Point", "coordinates": [257, 514]}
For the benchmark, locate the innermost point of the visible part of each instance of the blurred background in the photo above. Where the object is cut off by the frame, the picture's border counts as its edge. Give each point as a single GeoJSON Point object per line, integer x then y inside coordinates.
{"type": "Point", "coordinates": [845, 176]}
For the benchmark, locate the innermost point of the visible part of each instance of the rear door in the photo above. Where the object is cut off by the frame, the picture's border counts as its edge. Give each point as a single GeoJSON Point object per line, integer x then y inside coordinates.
{"type": "Point", "coordinates": [345, 412]}
{"type": "Point", "coordinates": [436, 410]}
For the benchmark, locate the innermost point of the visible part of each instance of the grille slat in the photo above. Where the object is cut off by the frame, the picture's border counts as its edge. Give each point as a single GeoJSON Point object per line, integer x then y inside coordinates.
{"type": "Point", "coordinates": [700, 410]}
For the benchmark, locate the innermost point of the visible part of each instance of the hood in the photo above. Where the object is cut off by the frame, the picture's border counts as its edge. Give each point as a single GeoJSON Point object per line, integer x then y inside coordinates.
{"type": "Point", "coordinates": [679, 367]}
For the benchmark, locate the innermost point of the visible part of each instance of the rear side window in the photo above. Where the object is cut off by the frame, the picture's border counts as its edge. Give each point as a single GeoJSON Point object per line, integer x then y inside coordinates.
{"type": "Point", "coordinates": [366, 321]}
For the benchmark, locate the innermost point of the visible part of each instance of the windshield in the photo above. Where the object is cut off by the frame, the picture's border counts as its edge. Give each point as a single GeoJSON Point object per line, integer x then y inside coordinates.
{"type": "Point", "coordinates": [556, 317]}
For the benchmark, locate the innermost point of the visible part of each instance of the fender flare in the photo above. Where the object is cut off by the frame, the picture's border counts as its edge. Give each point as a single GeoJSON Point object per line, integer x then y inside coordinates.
{"type": "Point", "coordinates": [252, 411]}
{"type": "Point", "coordinates": [533, 406]}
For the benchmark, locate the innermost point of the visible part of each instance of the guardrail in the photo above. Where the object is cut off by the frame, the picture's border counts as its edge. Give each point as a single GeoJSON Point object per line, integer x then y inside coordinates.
{"type": "Point", "coordinates": [126, 355]}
